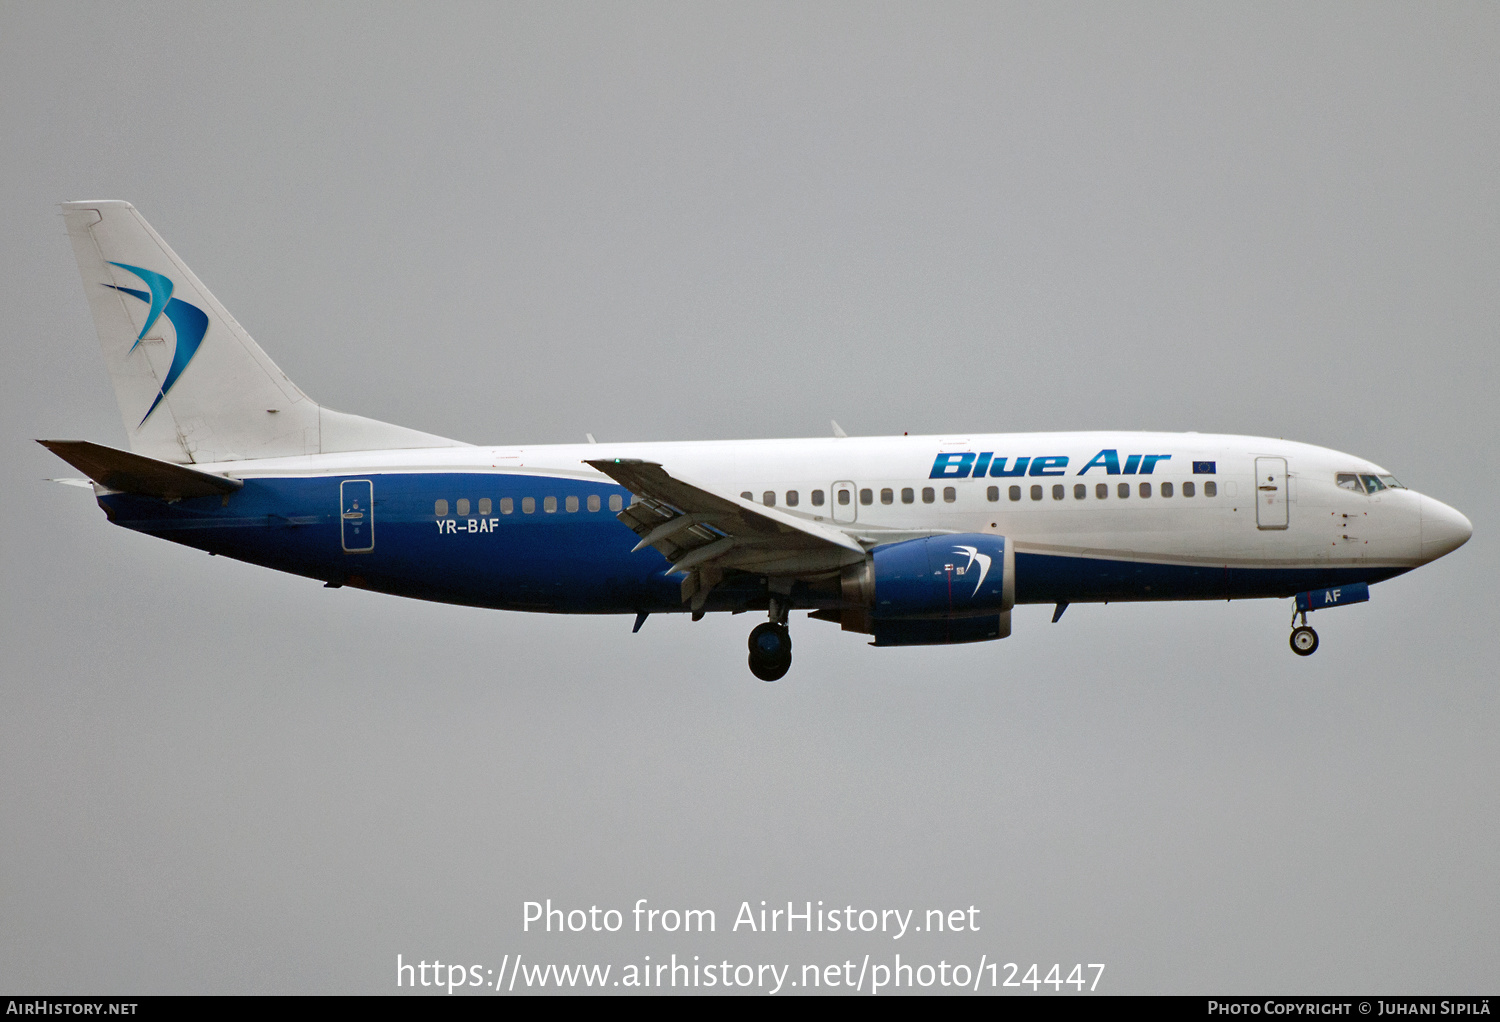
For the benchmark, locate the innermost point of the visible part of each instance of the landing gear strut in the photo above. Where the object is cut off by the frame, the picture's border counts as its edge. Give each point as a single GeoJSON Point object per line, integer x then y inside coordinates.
{"type": "Point", "coordinates": [1304, 640]}
{"type": "Point", "coordinates": [771, 645]}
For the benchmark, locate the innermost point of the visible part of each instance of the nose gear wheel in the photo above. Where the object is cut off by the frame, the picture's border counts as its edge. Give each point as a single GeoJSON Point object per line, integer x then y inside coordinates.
{"type": "Point", "coordinates": [1304, 641]}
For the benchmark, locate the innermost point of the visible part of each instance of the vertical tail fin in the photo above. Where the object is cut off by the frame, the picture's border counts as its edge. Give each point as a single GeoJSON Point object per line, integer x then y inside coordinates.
{"type": "Point", "coordinates": [191, 383]}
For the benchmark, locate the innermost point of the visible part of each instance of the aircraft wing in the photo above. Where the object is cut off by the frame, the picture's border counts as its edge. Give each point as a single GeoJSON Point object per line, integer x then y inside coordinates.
{"type": "Point", "coordinates": [704, 533]}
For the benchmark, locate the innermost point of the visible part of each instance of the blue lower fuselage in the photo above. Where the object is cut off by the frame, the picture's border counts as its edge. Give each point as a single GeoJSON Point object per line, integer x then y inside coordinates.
{"type": "Point", "coordinates": [579, 561]}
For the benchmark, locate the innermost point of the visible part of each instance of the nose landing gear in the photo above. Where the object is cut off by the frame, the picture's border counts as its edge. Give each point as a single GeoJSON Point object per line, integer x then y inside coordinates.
{"type": "Point", "coordinates": [771, 645]}
{"type": "Point", "coordinates": [1304, 640]}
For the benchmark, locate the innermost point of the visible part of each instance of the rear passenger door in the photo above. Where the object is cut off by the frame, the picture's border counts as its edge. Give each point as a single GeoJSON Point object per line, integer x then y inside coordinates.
{"type": "Point", "coordinates": [357, 515]}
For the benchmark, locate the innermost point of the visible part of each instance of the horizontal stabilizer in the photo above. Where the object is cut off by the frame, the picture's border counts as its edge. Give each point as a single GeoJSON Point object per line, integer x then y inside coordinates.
{"type": "Point", "coordinates": [135, 473]}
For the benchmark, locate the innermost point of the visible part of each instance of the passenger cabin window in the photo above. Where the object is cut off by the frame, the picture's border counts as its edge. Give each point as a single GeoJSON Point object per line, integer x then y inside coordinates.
{"type": "Point", "coordinates": [549, 505]}
{"type": "Point", "coordinates": [1210, 489]}
{"type": "Point", "coordinates": [928, 495]}
{"type": "Point", "coordinates": [949, 494]}
{"type": "Point", "coordinates": [1145, 489]}
{"type": "Point", "coordinates": [1188, 488]}
{"type": "Point", "coordinates": [1166, 489]}
{"type": "Point", "coordinates": [843, 496]}
{"type": "Point", "coordinates": [1015, 493]}
{"type": "Point", "coordinates": [593, 502]}
{"type": "Point", "coordinates": [1058, 491]}
{"type": "Point", "coordinates": [908, 495]}
{"type": "Point", "coordinates": [1101, 490]}
{"type": "Point", "coordinates": [888, 496]}
{"type": "Point", "coordinates": [507, 506]}
{"type": "Point", "coordinates": [1036, 493]}
{"type": "Point", "coordinates": [528, 505]}
{"type": "Point", "coordinates": [1080, 491]}
{"type": "Point", "coordinates": [570, 504]}
{"type": "Point", "coordinates": [867, 497]}
{"type": "Point", "coordinates": [1123, 489]}
{"type": "Point", "coordinates": [463, 506]}
{"type": "Point", "coordinates": [768, 498]}
{"type": "Point", "coordinates": [746, 495]}
{"type": "Point", "coordinates": [615, 502]}
{"type": "Point", "coordinates": [440, 508]}
{"type": "Point", "coordinates": [792, 498]}
{"type": "Point", "coordinates": [485, 506]}
{"type": "Point", "coordinates": [817, 498]}
{"type": "Point", "coordinates": [993, 493]}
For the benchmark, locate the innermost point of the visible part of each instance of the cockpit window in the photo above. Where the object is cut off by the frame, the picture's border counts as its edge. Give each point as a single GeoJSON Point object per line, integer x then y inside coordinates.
{"type": "Point", "coordinates": [1364, 483]}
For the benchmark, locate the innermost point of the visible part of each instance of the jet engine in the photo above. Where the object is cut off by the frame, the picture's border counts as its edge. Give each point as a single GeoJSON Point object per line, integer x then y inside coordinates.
{"type": "Point", "coordinates": [932, 591]}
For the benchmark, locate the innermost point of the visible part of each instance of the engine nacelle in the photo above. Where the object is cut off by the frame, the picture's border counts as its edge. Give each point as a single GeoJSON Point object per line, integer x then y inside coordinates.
{"type": "Point", "coordinates": [932, 591]}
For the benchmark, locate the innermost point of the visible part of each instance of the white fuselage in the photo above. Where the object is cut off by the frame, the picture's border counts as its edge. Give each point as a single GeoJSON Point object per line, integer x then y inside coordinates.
{"type": "Point", "coordinates": [1314, 521]}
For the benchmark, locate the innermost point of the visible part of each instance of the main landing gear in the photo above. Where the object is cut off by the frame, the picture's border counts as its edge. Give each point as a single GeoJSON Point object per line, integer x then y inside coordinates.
{"type": "Point", "coordinates": [1304, 640]}
{"type": "Point", "coordinates": [771, 645]}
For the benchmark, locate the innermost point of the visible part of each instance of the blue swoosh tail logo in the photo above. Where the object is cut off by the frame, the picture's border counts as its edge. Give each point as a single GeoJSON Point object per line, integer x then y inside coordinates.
{"type": "Point", "coordinates": [189, 321]}
{"type": "Point", "coordinates": [161, 293]}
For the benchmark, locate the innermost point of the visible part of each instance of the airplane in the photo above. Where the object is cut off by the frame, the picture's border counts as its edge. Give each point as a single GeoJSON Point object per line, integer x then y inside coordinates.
{"type": "Point", "coordinates": [909, 540]}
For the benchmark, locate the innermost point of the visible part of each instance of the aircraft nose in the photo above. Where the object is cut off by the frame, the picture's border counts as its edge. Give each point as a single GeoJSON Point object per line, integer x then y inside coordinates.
{"type": "Point", "coordinates": [1443, 529]}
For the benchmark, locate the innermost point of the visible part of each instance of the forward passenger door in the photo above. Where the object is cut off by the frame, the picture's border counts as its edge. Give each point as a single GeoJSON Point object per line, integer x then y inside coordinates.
{"type": "Point", "coordinates": [1270, 493]}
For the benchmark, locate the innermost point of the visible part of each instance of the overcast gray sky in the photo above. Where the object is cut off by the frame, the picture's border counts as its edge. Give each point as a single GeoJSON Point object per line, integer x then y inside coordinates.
{"type": "Point", "coordinates": [518, 223]}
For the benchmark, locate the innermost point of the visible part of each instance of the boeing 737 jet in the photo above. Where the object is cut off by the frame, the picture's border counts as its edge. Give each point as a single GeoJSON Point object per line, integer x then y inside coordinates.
{"type": "Point", "coordinates": [911, 540]}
